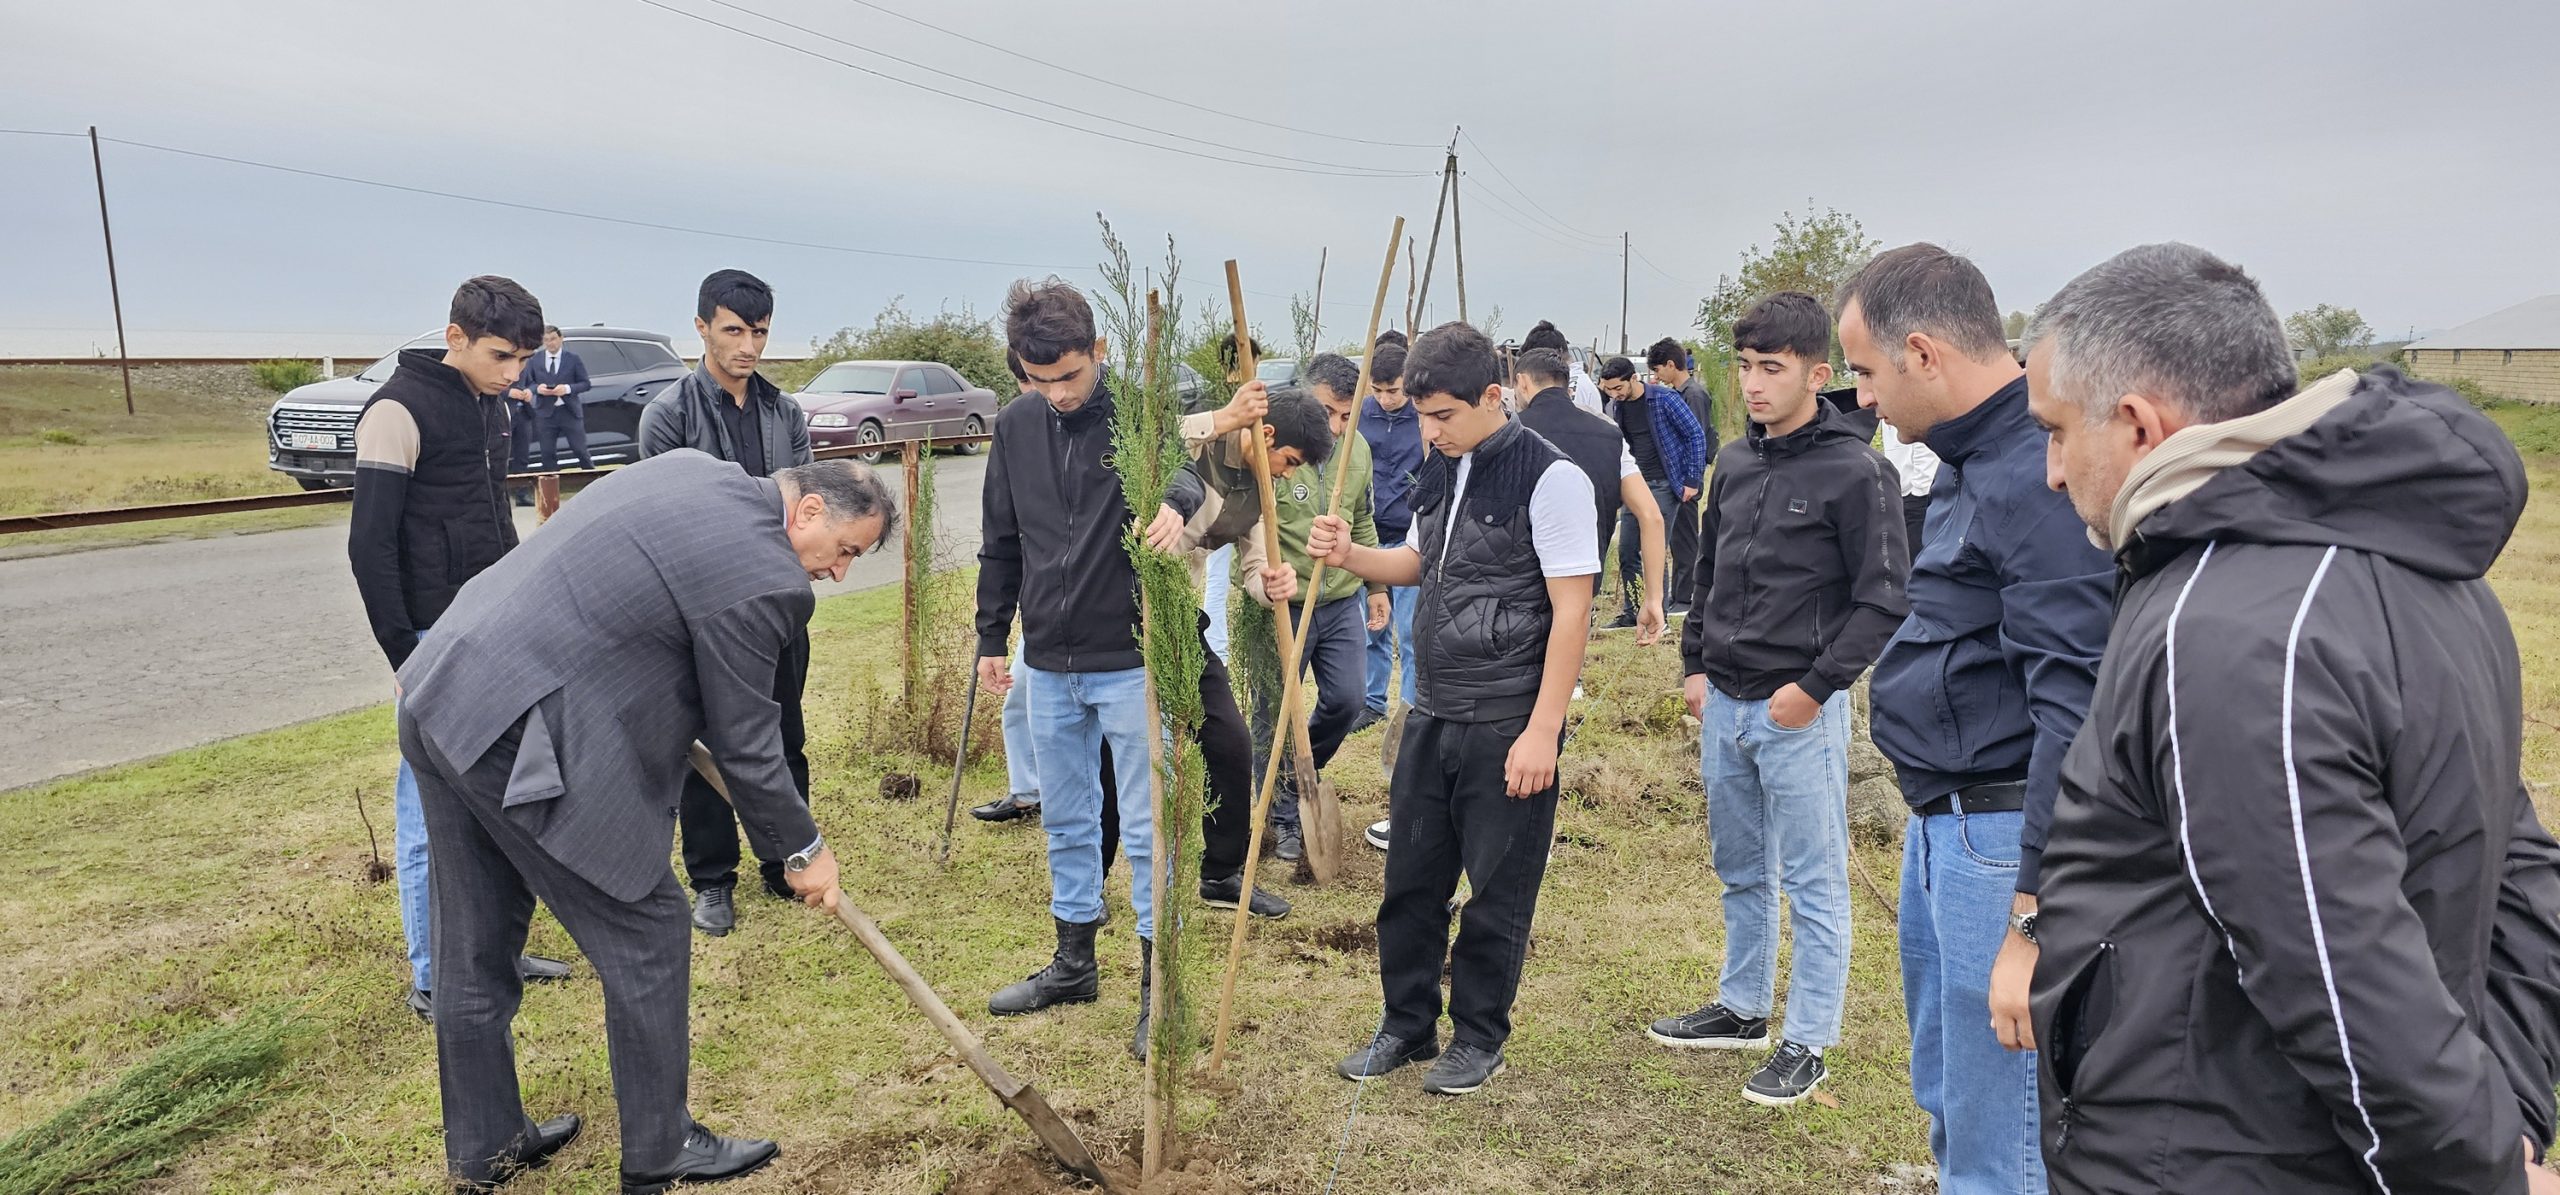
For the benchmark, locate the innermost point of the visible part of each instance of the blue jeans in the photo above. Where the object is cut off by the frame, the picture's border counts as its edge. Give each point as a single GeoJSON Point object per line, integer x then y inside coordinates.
{"type": "Point", "coordinates": [1332, 653]}
{"type": "Point", "coordinates": [1021, 760]}
{"type": "Point", "coordinates": [1959, 873]}
{"type": "Point", "coordinates": [1777, 811]}
{"type": "Point", "coordinates": [1213, 596]}
{"type": "Point", "coordinates": [1385, 645]}
{"type": "Point", "coordinates": [409, 857]}
{"type": "Point", "coordinates": [1071, 715]}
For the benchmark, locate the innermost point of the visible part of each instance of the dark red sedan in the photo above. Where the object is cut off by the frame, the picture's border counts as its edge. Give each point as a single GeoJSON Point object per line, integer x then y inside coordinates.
{"type": "Point", "coordinates": [883, 402]}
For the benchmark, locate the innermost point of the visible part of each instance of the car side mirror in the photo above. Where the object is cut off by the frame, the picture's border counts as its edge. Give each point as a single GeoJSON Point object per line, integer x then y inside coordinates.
{"type": "Point", "coordinates": [903, 395]}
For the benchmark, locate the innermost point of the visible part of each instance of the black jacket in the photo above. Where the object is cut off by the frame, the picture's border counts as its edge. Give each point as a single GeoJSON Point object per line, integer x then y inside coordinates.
{"type": "Point", "coordinates": [1800, 564]}
{"type": "Point", "coordinates": [424, 525]}
{"type": "Point", "coordinates": [684, 416]}
{"type": "Point", "coordinates": [1481, 619]}
{"type": "Point", "coordinates": [2278, 852]}
{"type": "Point", "coordinates": [1589, 441]}
{"type": "Point", "coordinates": [1052, 519]}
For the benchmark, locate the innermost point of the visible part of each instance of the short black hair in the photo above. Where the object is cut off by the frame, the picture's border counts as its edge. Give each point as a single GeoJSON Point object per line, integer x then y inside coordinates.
{"type": "Point", "coordinates": [1666, 351]}
{"type": "Point", "coordinates": [1388, 363]}
{"type": "Point", "coordinates": [1391, 336]}
{"type": "Point", "coordinates": [492, 306]}
{"type": "Point", "coordinates": [1615, 368]}
{"type": "Point", "coordinates": [1298, 421]}
{"type": "Point", "coordinates": [1542, 366]}
{"type": "Point", "coordinates": [1046, 320]}
{"type": "Point", "coordinates": [1013, 362]}
{"type": "Point", "coordinates": [1227, 353]}
{"type": "Point", "coordinates": [1334, 372]}
{"type": "Point", "coordinates": [1454, 360]}
{"type": "Point", "coordinates": [737, 290]}
{"type": "Point", "coordinates": [1545, 336]}
{"type": "Point", "coordinates": [550, 329]}
{"type": "Point", "coordinates": [1922, 288]}
{"type": "Point", "coordinates": [1789, 321]}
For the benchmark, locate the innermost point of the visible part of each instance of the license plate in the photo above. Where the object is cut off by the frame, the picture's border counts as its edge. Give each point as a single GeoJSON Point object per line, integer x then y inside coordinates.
{"type": "Point", "coordinates": [314, 441]}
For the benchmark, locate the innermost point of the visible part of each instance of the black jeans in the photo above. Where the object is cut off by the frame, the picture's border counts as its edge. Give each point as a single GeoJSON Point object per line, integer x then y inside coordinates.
{"type": "Point", "coordinates": [1228, 755]}
{"type": "Point", "coordinates": [519, 442]}
{"type": "Point", "coordinates": [565, 417]}
{"type": "Point", "coordinates": [1680, 572]}
{"type": "Point", "coordinates": [710, 827]}
{"type": "Point", "coordinates": [1448, 814]}
{"type": "Point", "coordinates": [1337, 654]}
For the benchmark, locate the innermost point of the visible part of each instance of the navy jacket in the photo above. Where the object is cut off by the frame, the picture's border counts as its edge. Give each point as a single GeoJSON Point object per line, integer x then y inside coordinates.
{"type": "Point", "coordinates": [1395, 455]}
{"type": "Point", "coordinates": [1989, 678]}
{"type": "Point", "coordinates": [572, 373]}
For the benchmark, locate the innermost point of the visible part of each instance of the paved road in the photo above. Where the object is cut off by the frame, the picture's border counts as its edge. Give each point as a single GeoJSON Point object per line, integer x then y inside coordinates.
{"type": "Point", "coordinates": [125, 653]}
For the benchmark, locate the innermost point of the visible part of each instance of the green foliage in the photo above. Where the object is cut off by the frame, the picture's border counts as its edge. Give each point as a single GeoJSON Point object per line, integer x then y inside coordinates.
{"type": "Point", "coordinates": [2535, 427]}
{"type": "Point", "coordinates": [1814, 254]}
{"type": "Point", "coordinates": [60, 435]}
{"type": "Point", "coordinates": [2326, 331]}
{"type": "Point", "coordinates": [2482, 397]}
{"type": "Point", "coordinates": [281, 376]}
{"type": "Point", "coordinates": [2015, 325]}
{"type": "Point", "coordinates": [2321, 367]}
{"type": "Point", "coordinates": [115, 1138]}
{"type": "Point", "coordinates": [1302, 328]}
{"type": "Point", "coordinates": [972, 346]}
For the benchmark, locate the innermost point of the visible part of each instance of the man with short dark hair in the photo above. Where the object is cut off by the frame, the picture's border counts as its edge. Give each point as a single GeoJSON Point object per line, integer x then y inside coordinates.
{"type": "Point", "coordinates": [2271, 933]}
{"type": "Point", "coordinates": [431, 513]}
{"type": "Point", "coordinates": [1799, 585]}
{"type": "Point", "coordinates": [1670, 450]}
{"type": "Point", "coordinates": [1585, 395]}
{"type": "Point", "coordinates": [1394, 435]}
{"type": "Point", "coordinates": [1617, 482]}
{"type": "Point", "coordinates": [1671, 365]}
{"type": "Point", "coordinates": [557, 378]}
{"type": "Point", "coordinates": [1504, 550]}
{"type": "Point", "coordinates": [1976, 698]}
{"type": "Point", "coordinates": [727, 409]}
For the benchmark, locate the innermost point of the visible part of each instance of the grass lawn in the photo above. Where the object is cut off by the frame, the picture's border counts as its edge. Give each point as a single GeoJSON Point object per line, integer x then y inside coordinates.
{"type": "Point", "coordinates": [155, 898]}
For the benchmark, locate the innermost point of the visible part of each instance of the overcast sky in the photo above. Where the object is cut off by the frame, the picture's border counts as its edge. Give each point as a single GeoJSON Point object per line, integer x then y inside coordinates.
{"type": "Point", "coordinates": [2399, 159]}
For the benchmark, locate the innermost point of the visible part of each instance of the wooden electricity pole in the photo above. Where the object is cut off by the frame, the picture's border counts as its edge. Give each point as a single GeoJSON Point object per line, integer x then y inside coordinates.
{"type": "Point", "coordinates": [1457, 230]}
{"type": "Point", "coordinates": [115, 295]}
{"type": "Point", "coordinates": [1431, 257]}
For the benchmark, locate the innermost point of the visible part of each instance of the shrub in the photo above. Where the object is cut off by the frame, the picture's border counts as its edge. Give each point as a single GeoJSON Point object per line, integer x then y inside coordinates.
{"type": "Point", "coordinates": [281, 376]}
{"type": "Point", "coordinates": [61, 435]}
{"type": "Point", "coordinates": [2320, 367]}
{"type": "Point", "coordinates": [2478, 395]}
{"type": "Point", "coordinates": [972, 346]}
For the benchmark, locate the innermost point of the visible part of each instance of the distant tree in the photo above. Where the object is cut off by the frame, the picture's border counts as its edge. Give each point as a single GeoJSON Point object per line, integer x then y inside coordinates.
{"type": "Point", "coordinates": [2015, 326]}
{"type": "Point", "coordinates": [2326, 331]}
{"type": "Point", "coordinates": [1814, 254]}
{"type": "Point", "coordinates": [971, 346]}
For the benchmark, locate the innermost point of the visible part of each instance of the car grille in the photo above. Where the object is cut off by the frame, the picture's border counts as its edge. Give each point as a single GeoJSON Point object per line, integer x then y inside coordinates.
{"type": "Point", "coordinates": [337, 422]}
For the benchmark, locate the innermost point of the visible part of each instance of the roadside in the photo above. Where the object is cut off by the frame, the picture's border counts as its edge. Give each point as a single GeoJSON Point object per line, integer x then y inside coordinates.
{"type": "Point", "coordinates": [197, 432]}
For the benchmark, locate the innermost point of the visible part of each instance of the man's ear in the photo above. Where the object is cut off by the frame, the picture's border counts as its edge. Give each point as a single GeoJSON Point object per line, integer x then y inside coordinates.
{"type": "Point", "coordinates": [455, 339]}
{"type": "Point", "coordinates": [1101, 349]}
{"type": "Point", "coordinates": [701, 328]}
{"type": "Point", "coordinates": [2152, 420]}
{"type": "Point", "coordinates": [1819, 375]}
{"type": "Point", "coordinates": [1492, 394]}
{"type": "Point", "coordinates": [1920, 354]}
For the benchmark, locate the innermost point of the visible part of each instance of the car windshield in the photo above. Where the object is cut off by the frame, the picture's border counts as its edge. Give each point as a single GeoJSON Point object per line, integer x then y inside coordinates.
{"type": "Point", "coordinates": [852, 377]}
{"type": "Point", "coordinates": [1277, 371]}
{"type": "Point", "coordinates": [380, 371]}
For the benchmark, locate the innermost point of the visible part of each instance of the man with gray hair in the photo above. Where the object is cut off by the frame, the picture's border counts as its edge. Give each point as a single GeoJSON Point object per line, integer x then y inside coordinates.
{"type": "Point", "coordinates": [2273, 954]}
{"type": "Point", "coordinates": [1976, 698]}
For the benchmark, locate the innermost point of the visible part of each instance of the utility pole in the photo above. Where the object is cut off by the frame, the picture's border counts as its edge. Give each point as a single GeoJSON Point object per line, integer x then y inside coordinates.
{"type": "Point", "coordinates": [1625, 245]}
{"type": "Point", "coordinates": [1457, 229]}
{"type": "Point", "coordinates": [1315, 322]}
{"type": "Point", "coordinates": [1431, 258]}
{"type": "Point", "coordinates": [115, 295]}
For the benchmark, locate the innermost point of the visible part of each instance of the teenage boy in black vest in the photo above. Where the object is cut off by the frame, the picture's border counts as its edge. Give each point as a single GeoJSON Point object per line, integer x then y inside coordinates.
{"type": "Point", "coordinates": [1617, 482]}
{"type": "Point", "coordinates": [1799, 586]}
{"type": "Point", "coordinates": [430, 513]}
{"type": "Point", "coordinates": [1504, 548]}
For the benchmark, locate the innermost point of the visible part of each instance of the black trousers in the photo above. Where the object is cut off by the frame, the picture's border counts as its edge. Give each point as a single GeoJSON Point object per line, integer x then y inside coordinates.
{"type": "Point", "coordinates": [710, 826]}
{"type": "Point", "coordinates": [562, 418]}
{"type": "Point", "coordinates": [1680, 573]}
{"type": "Point", "coordinates": [1227, 752]}
{"type": "Point", "coordinates": [1915, 513]}
{"type": "Point", "coordinates": [1448, 814]}
{"type": "Point", "coordinates": [488, 871]}
{"type": "Point", "coordinates": [1336, 653]}
{"type": "Point", "coordinates": [520, 439]}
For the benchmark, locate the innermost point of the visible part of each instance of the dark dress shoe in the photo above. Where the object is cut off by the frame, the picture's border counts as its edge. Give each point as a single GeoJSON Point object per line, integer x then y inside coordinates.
{"type": "Point", "coordinates": [1004, 809]}
{"type": "Point", "coordinates": [707, 1157]}
{"type": "Point", "coordinates": [533, 1153]}
{"type": "Point", "coordinates": [423, 1004]}
{"type": "Point", "coordinates": [536, 969]}
{"type": "Point", "coordinates": [715, 911]}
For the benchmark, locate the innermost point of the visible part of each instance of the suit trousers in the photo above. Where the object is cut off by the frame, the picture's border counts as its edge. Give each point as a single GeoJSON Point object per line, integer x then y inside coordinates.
{"type": "Point", "coordinates": [558, 419]}
{"type": "Point", "coordinates": [520, 439]}
{"type": "Point", "coordinates": [1448, 814]}
{"type": "Point", "coordinates": [488, 871]}
{"type": "Point", "coordinates": [710, 826]}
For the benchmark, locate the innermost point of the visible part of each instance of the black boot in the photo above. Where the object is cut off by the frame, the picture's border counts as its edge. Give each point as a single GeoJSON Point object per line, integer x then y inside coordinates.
{"type": "Point", "coordinates": [1070, 977]}
{"type": "Point", "coordinates": [1146, 998]}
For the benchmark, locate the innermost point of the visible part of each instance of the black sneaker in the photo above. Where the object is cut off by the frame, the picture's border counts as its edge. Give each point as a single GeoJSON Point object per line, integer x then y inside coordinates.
{"type": "Point", "coordinates": [1005, 809]}
{"type": "Point", "coordinates": [1714, 1027]}
{"type": "Point", "coordinates": [1384, 1054]}
{"type": "Point", "coordinates": [1791, 1074]}
{"type": "Point", "coordinates": [1223, 894]}
{"type": "Point", "coordinates": [1376, 834]}
{"type": "Point", "coordinates": [1626, 618]}
{"type": "Point", "coordinates": [1462, 1070]}
{"type": "Point", "coordinates": [1368, 718]}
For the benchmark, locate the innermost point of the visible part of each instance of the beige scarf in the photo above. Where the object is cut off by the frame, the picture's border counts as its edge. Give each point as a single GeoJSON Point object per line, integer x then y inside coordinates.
{"type": "Point", "coordinates": [2195, 454]}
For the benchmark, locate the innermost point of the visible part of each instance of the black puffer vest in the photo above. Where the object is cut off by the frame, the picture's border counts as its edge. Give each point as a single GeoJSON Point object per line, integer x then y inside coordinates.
{"type": "Point", "coordinates": [456, 521]}
{"type": "Point", "coordinates": [1585, 439]}
{"type": "Point", "coordinates": [1480, 626]}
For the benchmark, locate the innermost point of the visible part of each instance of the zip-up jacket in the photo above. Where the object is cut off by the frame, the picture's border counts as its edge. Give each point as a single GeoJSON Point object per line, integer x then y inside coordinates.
{"type": "Point", "coordinates": [2272, 886]}
{"type": "Point", "coordinates": [431, 497]}
{"type": "Point", "coordinates": [1395, 456]}
{"type": "Point", "coordinates": [1800, 564]}
{"type": "Point", "coordinates": [687, 415]}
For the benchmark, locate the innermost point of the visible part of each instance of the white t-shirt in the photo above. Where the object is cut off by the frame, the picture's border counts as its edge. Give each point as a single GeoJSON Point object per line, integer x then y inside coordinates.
{"type": "Point", "coordinates": [1626, 466]}
{"type": "Point", "coordinates": [1585, 394]}
{"type": "Point", "coordinates": [1912, 459]}
{"type": "Point", "coordinates": [1564, 518]}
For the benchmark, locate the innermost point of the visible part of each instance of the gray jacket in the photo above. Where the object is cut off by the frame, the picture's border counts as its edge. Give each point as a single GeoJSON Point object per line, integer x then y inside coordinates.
{"type": "Point", "coordinates": [649, 612]}
{"type": "Point", "coordinates": [682, 416]}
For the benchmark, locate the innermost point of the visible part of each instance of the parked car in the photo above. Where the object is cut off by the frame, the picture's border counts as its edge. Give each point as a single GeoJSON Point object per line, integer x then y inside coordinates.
{"type": "Point", "coordinates": [311, 431]}
{"type": "Point", "coordinates": [1277, 373]}
{"type": "Point", "coordinates": [883, 402]}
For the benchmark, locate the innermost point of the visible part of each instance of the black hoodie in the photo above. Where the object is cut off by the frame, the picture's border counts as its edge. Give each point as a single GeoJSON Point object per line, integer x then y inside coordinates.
{"type": "Point", "coordinates": [2281, 840]}
{"type": "Point", "coordinates": [1801, 563]}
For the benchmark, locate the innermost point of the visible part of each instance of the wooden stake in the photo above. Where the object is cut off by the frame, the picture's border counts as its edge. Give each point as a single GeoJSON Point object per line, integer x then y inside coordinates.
{"type": "Point", "coordinates": [1157, 1094]}
{"type": "Point", "coordinates": [910, 671]}
{"type": "Point", "coordinates": [1315, 319]}
{"type": "Point", "coordinates": [1324, 808]}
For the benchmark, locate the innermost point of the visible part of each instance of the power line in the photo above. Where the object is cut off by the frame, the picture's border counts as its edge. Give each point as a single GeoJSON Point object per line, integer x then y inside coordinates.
{"type": "Point", "coordinates": [1519, 220]}
{"type": "Point", "coordinates": [853, 66]}
{"type": "Point", "coordinates": [43, 133]}
{"type": "Point", "coordinates": [1648, 262]}
{"type": "Point", "coordinates": [1039, 61]}
{"type": "Point", "coordinates": [909, 62]}
{"type": "Point", "coordinates": [1523, 192]}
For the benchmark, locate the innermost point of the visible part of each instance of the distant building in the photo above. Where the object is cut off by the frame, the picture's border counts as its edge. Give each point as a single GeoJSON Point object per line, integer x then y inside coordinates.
{"type": "Point", "coordinates": [2512, 354]}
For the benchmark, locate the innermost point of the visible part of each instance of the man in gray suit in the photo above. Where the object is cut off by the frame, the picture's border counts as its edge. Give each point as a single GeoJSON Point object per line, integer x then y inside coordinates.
{"type": "Point", "coordinates": [550, 715]}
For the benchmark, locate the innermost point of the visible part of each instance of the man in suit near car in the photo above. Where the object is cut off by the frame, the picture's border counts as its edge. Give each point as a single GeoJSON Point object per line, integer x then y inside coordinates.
{"type": "Point", "coordinates": [559, 383]}
{"type": "Point", "coordinates": [550, 715]}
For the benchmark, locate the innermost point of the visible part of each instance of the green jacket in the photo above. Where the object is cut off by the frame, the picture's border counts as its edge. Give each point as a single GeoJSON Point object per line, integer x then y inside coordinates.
{"type": "Point", "coordinates": [1299, 498]}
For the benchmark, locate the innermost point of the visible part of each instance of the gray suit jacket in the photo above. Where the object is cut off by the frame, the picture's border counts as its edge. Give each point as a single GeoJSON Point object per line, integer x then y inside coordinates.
{"type": "Point", "coordinates": [650, 612]}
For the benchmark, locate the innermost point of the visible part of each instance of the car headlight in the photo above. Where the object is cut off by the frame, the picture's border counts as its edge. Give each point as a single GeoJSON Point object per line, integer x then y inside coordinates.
{"type": "Point", "coordinates": [829, 421]}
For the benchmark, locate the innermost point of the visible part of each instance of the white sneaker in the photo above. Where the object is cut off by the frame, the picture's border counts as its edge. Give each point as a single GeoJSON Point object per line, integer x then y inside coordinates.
{"type": "Point", "coordinates": [1376, 834]}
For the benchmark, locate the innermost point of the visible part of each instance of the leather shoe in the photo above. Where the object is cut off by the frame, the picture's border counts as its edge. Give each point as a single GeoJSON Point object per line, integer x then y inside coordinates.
{"type": "Point", "coordinates": [535, 1152]}
{"type": "Point", "coordinates": [1005, 809]}
{"type": "Point", "coordinates": [423, 1003]}
{"type": "Point", "coordinates": [707, 1157]}
{"type": "Point", "coordinates": [715, 911]}
{"type": "Point", "coordinates": [534, 968]}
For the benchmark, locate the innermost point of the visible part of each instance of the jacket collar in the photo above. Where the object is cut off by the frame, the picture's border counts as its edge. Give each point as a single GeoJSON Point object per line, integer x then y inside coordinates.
{"type": "Point", "coordinates": [2195, 454]}
{"type": "Point", "coordinates": [1986, 424]}
{"type": "Point", "coordinates": [1552, 396]}
{"type": "Point", "coordinates": [429, 366]}
{"type": "Point", "coordinates": [1370, 408]}
{"type": "Point", "coordinates": [1825, 421]}
{"type": "Point", "coordinates": [760, 392]}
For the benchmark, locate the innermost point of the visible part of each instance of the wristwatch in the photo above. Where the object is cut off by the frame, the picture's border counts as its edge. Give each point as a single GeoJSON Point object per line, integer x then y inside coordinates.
{"type": "Point", "coordinates": [2025, 924]}
{"type": "Point", "coordinates": [802, 858]}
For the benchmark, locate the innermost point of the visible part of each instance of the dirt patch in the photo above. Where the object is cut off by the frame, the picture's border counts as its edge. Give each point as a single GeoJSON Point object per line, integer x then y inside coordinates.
{"type": "Point", "coordinates": [900, 786]}
{"type": "Point", "coordinates": [1345, 937]}
{"type": "Point", "coordinates": [1192, 1170]}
